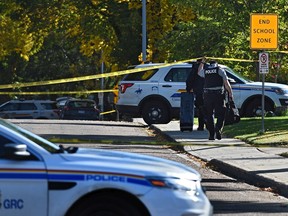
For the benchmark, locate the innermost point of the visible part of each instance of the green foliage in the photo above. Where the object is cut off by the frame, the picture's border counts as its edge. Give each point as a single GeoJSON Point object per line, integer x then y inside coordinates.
{"type": "Point", "coordinates": [14, 31]}
{"type": "Point", "coordinates": [229, 24]}
{"type": "Point", "coordinates": [52, 39]}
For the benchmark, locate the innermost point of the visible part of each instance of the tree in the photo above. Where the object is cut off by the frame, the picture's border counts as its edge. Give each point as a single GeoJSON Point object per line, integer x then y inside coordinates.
{"type": "Point", "coordinates": [222, 29]}
{"type": "Point", "coordinates": [51, 39]}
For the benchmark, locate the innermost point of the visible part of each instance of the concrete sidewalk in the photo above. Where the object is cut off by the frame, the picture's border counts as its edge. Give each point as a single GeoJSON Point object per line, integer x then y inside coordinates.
{"type": "Point", "coordinates": [263, 167]}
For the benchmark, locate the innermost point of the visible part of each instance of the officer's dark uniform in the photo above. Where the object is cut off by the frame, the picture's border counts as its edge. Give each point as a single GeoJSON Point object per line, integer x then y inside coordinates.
{"type": "Point", "coordinates": [195, 82]}
{"type": "Point", "coordinates": [214, 100]}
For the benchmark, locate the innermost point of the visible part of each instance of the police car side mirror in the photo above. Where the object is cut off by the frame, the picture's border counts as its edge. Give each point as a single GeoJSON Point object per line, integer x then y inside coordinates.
{"type": "Point", "coordinates": [15, 151]}
{"type": "Point", "coordinates": [231, 81]}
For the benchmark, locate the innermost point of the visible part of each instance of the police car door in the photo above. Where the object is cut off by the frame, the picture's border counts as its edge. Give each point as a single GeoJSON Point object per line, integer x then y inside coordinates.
{"type": "Point", "coordinates": [173, 83]}
{"type": "Point", "coordinates": [23, 185]}
{"type": "Point", "coordinates": [27, 110]}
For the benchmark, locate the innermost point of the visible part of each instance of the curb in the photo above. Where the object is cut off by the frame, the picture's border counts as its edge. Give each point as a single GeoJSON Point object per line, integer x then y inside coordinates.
{"type": "Point", "coordinates": [248, 177]}
{"type": "Point", "coordinates": [163, 134]}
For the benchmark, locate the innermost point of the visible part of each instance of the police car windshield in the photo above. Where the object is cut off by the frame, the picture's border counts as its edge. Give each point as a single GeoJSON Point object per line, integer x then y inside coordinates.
{"type": "Point", "coordinates": [50, 147]}
{"type": "Point", "coordinates": [238, 75]}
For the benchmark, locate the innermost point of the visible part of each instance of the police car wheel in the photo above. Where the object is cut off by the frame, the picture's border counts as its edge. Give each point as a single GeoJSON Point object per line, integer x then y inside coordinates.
{"type": "Point", "coordinates": [155, 113]}
{"type": "Point", "coordinates": [106, 205]}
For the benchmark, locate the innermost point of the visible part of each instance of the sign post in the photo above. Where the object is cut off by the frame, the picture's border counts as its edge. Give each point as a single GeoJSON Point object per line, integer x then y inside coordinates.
{"type": "Point", "coordinates": [263, 69]}
{"type": "Point", "coordinates": [263, 36]}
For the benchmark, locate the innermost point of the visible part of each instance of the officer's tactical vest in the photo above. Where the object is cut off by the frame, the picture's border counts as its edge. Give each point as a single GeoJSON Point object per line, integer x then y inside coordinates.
{"type": "Point", "coordinates": [212, 78]}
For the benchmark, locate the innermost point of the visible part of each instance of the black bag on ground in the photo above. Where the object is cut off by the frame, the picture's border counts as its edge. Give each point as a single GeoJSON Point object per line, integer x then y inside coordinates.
{"type": "Point", "coordinates": [232, 114]}
{"type": "Point", "coordinates": [187, 111]}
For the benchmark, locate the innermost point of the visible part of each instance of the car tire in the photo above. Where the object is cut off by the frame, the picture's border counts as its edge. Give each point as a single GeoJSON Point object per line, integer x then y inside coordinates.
{"type": "Point", "coordinates": [255, 107]}
{"type": "Point", "coordinates": [104, 205]}
{"type": "Point", "coordinates": [155, 113]}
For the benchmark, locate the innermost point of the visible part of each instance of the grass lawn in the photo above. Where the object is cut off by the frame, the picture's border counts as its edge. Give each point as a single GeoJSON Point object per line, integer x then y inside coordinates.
{"type": "Point", "coordinates": [250, 130]}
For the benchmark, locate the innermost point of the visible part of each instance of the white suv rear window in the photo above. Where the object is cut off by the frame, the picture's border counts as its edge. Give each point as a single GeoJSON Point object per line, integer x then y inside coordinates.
{"type": "Point", "coordinates": [142, 76]}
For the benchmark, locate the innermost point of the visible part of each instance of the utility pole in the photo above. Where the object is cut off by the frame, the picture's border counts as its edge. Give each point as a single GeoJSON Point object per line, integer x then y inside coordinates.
{"type": "Point", "coordinates": [144, 32]}
{"type": "Point", "coordinates": [101, 94]}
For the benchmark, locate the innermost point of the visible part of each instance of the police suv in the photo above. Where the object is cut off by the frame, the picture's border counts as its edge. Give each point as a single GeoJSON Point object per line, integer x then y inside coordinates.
{"type": "Point", "coordinates": [39, 178]}
{"type": "Point", "coordinates": [29, 109]}
{"type": "Point", "coordinates": [154, 94]}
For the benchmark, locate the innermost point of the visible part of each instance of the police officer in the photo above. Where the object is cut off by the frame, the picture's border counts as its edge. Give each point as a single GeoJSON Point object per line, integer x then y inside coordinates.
{"type": "Point", "coordinates": [195, 83]}
{"type": "Point", "coordinates": [215, 82]}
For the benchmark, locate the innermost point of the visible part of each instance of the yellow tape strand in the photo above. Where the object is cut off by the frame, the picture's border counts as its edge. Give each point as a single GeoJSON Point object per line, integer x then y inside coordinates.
{"type": "Point", "coordinates": [83, 78]}
{"type": "Point", "coordinates": [285, 52]}
{"type": "Point", "coordinates": [232, 59]}
{"type": "Point", "coordinates": [111, 74]}
{"type": "Point", "coordinates": [97, 76]}
{"type": "Point", "coordinates": [108, 112]}
{"type": "Point", "coordinates": [58, 92]}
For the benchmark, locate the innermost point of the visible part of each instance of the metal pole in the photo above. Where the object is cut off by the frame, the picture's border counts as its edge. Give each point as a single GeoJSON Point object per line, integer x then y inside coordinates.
{"type": "Point", "coordinates": [102, 86]}
{"type": "Point", "coordinates": [263, 102]}
{"type": "Point", "coordinates": [144, 33]}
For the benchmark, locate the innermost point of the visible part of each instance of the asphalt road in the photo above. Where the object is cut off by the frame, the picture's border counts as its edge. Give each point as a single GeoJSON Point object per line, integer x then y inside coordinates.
{"type": "Point", "coordinates": [227, 195]}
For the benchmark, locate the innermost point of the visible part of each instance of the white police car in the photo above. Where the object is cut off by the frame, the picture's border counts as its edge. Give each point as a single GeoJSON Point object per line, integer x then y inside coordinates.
{"type": "Point", "coordinates": [154, 94]}
{"type": "Point", "coordinates": [40, 178]}
{"type": "Point", "coordinates": [29, 109]}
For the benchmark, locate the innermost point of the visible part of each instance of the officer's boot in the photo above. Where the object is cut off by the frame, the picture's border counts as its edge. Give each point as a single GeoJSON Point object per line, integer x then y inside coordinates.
{"type": "Point", "coordinates": [211, 135]}
{"type": "Point", "coordinates": [218, 133]}
{"type": "Point", "coordinates": [210, 128]}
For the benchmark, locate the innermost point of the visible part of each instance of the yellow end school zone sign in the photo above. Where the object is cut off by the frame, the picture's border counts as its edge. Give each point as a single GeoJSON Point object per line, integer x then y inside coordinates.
{"type": "Point", "coordinates": [263, 31]}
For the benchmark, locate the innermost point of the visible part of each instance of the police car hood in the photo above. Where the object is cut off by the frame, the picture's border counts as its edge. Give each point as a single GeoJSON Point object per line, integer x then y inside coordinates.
{"type": "Point", "coordinates": [116, 161]}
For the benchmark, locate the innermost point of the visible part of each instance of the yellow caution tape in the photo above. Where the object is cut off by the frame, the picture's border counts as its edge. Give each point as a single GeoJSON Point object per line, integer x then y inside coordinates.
{"type": "Point", "coordinates": [108, 112]}
{"type": "Point", "coordinates": [111, 74]}
{"type": "Point", "coordinates": [232, 59]}
{"type": "Point", "coordinates": [57, 92]}
{"type": "Point", "coordinates": [285, 52]}
{"type": "Point", "coordinates": [83, 78]}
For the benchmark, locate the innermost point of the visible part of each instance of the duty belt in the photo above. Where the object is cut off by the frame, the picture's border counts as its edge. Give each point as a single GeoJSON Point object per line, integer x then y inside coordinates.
{"type": "Point", "coordinates": [218, 91]}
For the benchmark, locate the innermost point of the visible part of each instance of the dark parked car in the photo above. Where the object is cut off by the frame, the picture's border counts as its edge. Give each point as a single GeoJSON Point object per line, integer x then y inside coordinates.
{"type": "Point", "coordinates": [62, 100]}
{"type": "Point", "coordinates": [80, 109]}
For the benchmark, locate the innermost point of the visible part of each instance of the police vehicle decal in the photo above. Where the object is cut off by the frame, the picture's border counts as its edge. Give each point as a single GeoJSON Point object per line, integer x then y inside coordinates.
{"type": "Point", "coordinates": [138, 91]}
{"type": "Point", "coordinates": [22, 174]}
{"type": "Point", "coordinates": [175, 95]}
{"type": "Point", "coordinates": [11, 203]}
{"type": "Point", "coordinates": [97, 176]}
{"type": "Point", "coordinates": [67, 175]}
{"type": "Point", "coordinates": [252, 89]}
{"type": "Point", "coordinates": [178, 93]}
{"type": "Point", "coordinates": [154, 88]}
{"type": "Point", "coordinates": [74, 177]}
